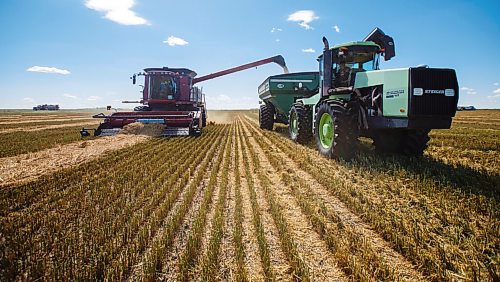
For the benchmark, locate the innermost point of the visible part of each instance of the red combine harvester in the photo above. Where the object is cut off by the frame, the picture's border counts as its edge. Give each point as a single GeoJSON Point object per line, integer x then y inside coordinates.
{"type": "Point", "coordinates": [170, 98]}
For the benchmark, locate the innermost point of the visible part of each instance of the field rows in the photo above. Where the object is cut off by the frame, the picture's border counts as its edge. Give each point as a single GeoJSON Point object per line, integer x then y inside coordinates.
{"type": "Point", "coordinates": [243, 204]}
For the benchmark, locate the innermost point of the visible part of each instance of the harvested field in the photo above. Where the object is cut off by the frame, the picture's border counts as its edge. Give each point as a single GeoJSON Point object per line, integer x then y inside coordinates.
{"type": "Point", "coordinates": [88, 123]}
{"type": "Point", "coordinates": [26, 167]}
{"type": "Point", "coordinates": [244, 204]}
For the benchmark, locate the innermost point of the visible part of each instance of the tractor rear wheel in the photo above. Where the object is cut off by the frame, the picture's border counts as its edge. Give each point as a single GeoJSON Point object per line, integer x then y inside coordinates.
{"type": "Point", "coordinates": [335, 129]}
{"type": "Point", "coordinates": [266, 117]}
{"type": "Point", "coordinates": [407, 142]}
{"type": "Point", "coordinates": [414, 142]}
{"type": "Point", "coordinates": [299, 124]}
{"type": "Point", "coordinates": [388, 141]}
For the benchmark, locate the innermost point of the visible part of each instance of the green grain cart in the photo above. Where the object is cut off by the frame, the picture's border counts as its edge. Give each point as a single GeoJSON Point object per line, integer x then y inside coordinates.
{"type": "Point", "coordinates": [351, 97]}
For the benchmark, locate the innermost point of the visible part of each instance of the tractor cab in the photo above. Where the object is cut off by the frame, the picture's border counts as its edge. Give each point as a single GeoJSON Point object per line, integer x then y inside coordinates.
{"type": "Point", "coordinates": [351, 58]}
{"type": "Point", "coordinates": [348, 59]}
{"type": "Point", "coordinates": [339, 65]}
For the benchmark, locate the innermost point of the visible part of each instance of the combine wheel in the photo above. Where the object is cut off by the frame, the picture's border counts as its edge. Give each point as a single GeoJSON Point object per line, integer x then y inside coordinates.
{"type": "Point", "coordinates": [194, 131]}
{"type": "Point", "coordinates": [203, 118]}
{"type": "Point", "coordinates": [299, 125]}
{"type": "Point", "coordinates": [336, 130]}
{"type": "Point", "coordinates": [266, 117]}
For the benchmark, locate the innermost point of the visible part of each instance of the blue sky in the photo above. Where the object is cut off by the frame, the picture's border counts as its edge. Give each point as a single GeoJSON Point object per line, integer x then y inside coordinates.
{"type": "Point", "coordinates": [81, 53]}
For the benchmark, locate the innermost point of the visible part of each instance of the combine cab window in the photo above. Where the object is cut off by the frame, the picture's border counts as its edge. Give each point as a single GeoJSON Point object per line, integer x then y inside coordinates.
{"type": "Point", "coordinates": [163, 87]}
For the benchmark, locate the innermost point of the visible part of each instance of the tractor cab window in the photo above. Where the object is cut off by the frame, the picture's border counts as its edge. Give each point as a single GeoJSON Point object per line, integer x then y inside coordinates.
{"type": "Point", "coordinates": [371, 64]}
{"type": "Point", "coordinates": [342, 73]}
{"type": "Point", "coordinates": [163, 87]}
{"type": "Point", "coordinates": [349, 61]}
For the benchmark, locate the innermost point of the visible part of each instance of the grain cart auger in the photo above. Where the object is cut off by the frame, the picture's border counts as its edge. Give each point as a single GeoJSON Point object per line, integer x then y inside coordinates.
{"type": "Point", "coordinates": [170, 98]}
{"type": "Point", "coordinates": [350, 97]}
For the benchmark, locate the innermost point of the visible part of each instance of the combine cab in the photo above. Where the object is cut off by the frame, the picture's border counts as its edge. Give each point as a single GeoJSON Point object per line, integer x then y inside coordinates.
{"type": "Point", "coordinates": [170, 98]}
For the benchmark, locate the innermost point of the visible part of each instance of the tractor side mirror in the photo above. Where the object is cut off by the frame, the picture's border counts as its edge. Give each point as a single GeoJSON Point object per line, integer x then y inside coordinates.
{"type": "Point", "coordinates": [133, 79]}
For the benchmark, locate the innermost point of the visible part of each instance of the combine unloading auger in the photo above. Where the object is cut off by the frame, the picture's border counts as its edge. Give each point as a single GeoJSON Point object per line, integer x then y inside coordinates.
{"type": "Point", "coordinates": [171, 99]}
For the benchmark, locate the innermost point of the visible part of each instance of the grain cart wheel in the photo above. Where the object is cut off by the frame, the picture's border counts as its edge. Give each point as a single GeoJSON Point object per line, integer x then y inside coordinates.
{"type": "Point", "coordinates": [414, 142]}
{"type": "Point", "coordinates": [335, 130]}
{"type": "Point", "coordinates": [266, 117]}
{"type": "Point", "coordinates": [299, 125]}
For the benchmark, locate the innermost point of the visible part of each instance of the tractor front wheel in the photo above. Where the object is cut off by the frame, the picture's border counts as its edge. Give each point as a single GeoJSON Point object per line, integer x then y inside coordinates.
{"type": "Point", "coordinates": [336, 130]}
{"type": "Point", "coordinates": [299, 124]}
{"type": "Point", "coordinates": [266, 117]}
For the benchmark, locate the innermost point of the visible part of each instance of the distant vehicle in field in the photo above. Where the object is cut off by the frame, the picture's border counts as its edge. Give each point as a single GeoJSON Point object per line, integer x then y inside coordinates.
{"type": "Point", "coordinates": [46, 107]}
{"type": "Point", "coordinates": [466, 108]}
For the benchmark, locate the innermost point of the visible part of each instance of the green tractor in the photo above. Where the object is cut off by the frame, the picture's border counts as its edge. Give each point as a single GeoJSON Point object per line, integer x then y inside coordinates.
{"type": "Point", "coordinates": [351, 97]}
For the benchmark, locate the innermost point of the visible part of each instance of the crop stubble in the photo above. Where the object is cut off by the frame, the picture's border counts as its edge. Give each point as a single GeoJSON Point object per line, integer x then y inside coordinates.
{"type": "Point", "coordinates": [244, 204]}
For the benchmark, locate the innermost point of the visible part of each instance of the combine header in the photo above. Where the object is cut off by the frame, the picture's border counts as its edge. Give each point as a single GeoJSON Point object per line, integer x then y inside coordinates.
{"type": "Point", "coordinates": [170, 98]}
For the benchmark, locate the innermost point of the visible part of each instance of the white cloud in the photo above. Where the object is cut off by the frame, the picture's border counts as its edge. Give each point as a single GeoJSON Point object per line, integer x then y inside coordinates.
{"type": "Point", "coordinates": [496, 83]}
{"type": "Point", "coordinates": [48, 70]}
{"type": "Point", "coordinates": [118, 11]}
{"type": "Point", "coordinates": [278, 40]}
{"type": "Point", "coordinates": [275, 29]}
{"type": "Point", "coordinates": [94, 98]}
{"type": "Point", "coordinates": [223, 98]}
{"type": "Point", "coordinates": [67, 95]}
{"type": "Point", "coordinates": [29, 100]}
{"type": "Point", "coordinates": [469, 91]}
{"type": "Point", "coordinates": [173, 41]}
{"type": "Point", "coordinates": [496, 92]}
{"type": "Point", "coordinates": [308, 50]}
{"type": "Point", "coordinates": [304, 18]}
{"type": "Point", "coordinates": [337, 28]}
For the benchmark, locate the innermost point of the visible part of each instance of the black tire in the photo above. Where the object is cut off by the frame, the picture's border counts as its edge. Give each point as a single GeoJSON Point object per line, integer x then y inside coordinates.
{"type": "Point", "coordinates": [388, 141]}
{"type": "Point", "coordinates": [414, 142]}
{"type": "Point", "coordinates": [345, 129]}
{"type": "Point", "coordinates": [203, 118]}
{"type": "Point", "coordinates": [406, 142]}
{"type": "Point", "coordinates": [195, 132]}
{"type": "Point", "coordinates": [300, 124]}
{"type": "Point", "coordinates": [142, 109]}
{"type": "Point", "coordinates": [266, 117]}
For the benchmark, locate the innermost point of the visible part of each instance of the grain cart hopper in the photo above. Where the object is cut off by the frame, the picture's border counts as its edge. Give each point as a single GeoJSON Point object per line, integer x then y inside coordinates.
{"type": "Point", "coordinates": [170, 98]}
{"type": "Point", "coordinates": [351, 97]}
